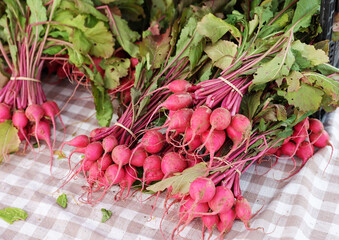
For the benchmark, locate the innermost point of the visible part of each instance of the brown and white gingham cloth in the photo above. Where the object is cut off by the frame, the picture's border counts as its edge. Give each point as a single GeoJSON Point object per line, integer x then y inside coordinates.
{"type": "Point", "coordinates": [304, 207]}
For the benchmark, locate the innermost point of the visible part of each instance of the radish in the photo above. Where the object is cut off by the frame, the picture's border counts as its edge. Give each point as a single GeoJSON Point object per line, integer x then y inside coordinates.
{"type": "Point", "coordinates": [121, 155]}
{"type": "Point", "coordinates": [220, 119]}
{"type": "Point", "coordinates": [303, 124]}
{"type": "Point", "coordinates": [213, 143]}
{"type": "Point", "coordinates": [134, 62]}
{"type": "Point", "coordinates": [210, 222]}
{"type": "Point", "coordinates": [86, 164]}
{"type": "Point", "coordinates": [35, 113]}
{"type": "Point", "coordinates": [127, 182]}
{"type": "Point", "coordinates": [93, 151]}
{"type": "Point", "coordinates": [226, 221]}
{"type": "Point", "coordinates": [153, 141]}
{"type": "Point", "coordinates": [320, 139]}
{"type": "Point", "coordinates": [191, 209]}
{"type": "Point", "coordinates": [243, 210]}
{"type": "Point", "coordinates": [104, 162]}
{"type": "Point", "coordinates": [238, 131]}
{"type": "Point", "coordinates": [51, 110]}
{"type": "Point", "coordinates": [153, 175]}
{"type": "Point", "coordinates": [200, 120]}
{"type": "Point", "coordinates": [5, 112]}
{"type": "Point", "coordinates": [316, 126]}
{"type": "Point", "coordinates": [94, 173]}
{"type": "Point", "coordinates": [177, 101]}
{"type": "Point", "coordinates": [305, 151]}
{"type": "Point", "coordinates": [138, 157]}
{"type": "Point", "coordinates": [179, 121]}
{"type": "Point", "coordinates": [95, 132]}
{"type": "Point", "coordinates": [202, 190]}
{"type": "Point", "coordinates": [151, 163]}
{"type": "Point", "coordinates": [288, 149]}
{"type": "Point", "coordinates": [20, 121]}
{"type": "Point", "coordinates": [109, 143]}
{"type": "Point", "coordinates": [222, 201]}
{"type": "Point", "coordinates": [80, 141]}
{"type": "Point", "coordinates": [113, 175]}
{"type": "Point", "coordinates": [299, 136]}
{"type": "Point", "coordinates": [172, 162]}
{"type": "Point", "coordinates": [192, 143]}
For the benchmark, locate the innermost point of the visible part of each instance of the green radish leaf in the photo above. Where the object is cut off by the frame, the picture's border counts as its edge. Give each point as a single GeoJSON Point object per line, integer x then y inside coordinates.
{"type": "Point", "coordinates": [293, 81]}
{"type": "Point", "coordinates": [62, 200]}
{"type": "Point", "coordinates": [276, 68]}
{"type": "Point", "coordinates": [303, 13]}
{"type": "Point", "coordinates": [115, 68]}
{"type": "Point", "coordinates": [327, 69]}
{"type": "Point", "coordinates": [9, 141]}
{"type": "Point", "coordinates": [298, 98]}
{"type": "Point", "coordinates": [75, 57]}
{"type": "Point", "coordinates": [54, 50]}
{"type": "Point", "coordinates": [222, 53]}
{"type": "Point", "coordinates": [124, 35]}
{"type": "Point", "coordinates": [250, 104]}
{"type": "Point", "coordinates": [214, 28]}
{"type": "Point", "coordinates": [12, 214]}
{"type": "Point", "coordinates": [37, 14]}
{"type": "Point", "coordinates": [180, 181]}
{"type": "Point", "coordinates": [315, 56]}
{"type": "Point", "coordinates": [80, 42]}
{"type": "Point", "coordinates": [106, 214]}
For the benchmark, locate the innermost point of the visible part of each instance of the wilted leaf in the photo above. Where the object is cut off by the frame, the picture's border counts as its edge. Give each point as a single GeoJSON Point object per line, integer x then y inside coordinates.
{"type": "Point", "coordinates": [222, 53]}
{"type": "Point", "coordinates": [106, 214]}
{"type": "Point", "coordinates": [9, 140]}
{"type": "Point", "coordinates": [11, 214]}
{"type": "Point", "coordinates": [62, 200]}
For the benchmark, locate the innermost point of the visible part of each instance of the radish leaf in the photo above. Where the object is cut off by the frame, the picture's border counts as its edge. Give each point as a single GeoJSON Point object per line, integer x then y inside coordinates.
{"type": "Point", "coordinates": [62, 200]}
{"type": "Point", "coordinates": [222, 53]}
{"type": "Point", "coordinates": [12, 214]}
{"type": "Point", "coordinates": [106, 214]}
{"type": "Point", "coordinates": [9, 141]}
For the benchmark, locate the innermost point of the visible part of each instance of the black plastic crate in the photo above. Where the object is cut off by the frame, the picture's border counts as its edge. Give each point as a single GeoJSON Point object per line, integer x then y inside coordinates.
{"type": "Point", "coordinates": [327, 12]}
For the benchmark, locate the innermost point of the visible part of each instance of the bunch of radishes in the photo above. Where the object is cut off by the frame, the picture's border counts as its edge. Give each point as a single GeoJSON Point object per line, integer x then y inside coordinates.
{"type": "Point", "coordinates": [307, 135]}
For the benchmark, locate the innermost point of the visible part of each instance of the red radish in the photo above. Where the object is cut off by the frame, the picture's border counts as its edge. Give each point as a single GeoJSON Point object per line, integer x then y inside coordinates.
{"type": "Point", "coordinates": [138, 157]}
{"type": "Point", "coordinates": [121, 155]}
{"type": "Point", "coordinates": [271, 151]}
{"type": "Point", "coordinates": [202, 190]}
{"type": "Point", "coordinates": [19, 119]}
{"type": "Point", "coordinates": [173, 162]}
{"type": "Point", "coordinates": [222, 201]}
{"type": "Point", "coordinates": [94, 173]}
{"type": "Point", "coordinates": [241, 123]}
{"type": "Point", "coordinates": [86, 164]}
{"type": "Point", "coordinates": [113, 175]}
{"type": "Point", "coordinates": [23, 134]}
{"type": "Point", "coordinates": [243, 210]}
{"type": "Point", "coordinates": [316, 126]}
{"type": "Point", "coordinates": [288, 149]}
{"type": "Point", "coordinates": [127, 182]}
{"type": "Point", "coordinates": [192, 143]}
{"type": "Point", "coordinates": [321, 139]}
{"type": "Point", "coordinates": [51, 109]}
{"type": "Point", "coordinates": [226, 221]}
{"type": "Point", "coordinates": [299, 136]}
{"type": "Point", "coordinates": [305, 151]}
{"type": "Point", "coordinates": [192, 161]}
{"type": "Point", "coordinates": [191, 209]}
{"type": "Point", "coordinates": [179, 85]}
{"type": "Point", "coordinates": [200, 120]}
{"type": "Point", "coordinates": [152, 162]}
{"type": "Point", "coordinates": [179, 121]}
{"type": "Point", "coordinates": [214, 142]}
{"type": "Point", "coordinates": [177, 101]}
{"type": "Point", "coordinates": [153, 141]}
{"type": "Point", "coordinates": [97, 131]}
{"type": "Point", "coordinates": [5, 112]}
{"type": "Point", "coordinates": [153, 175]}
{"type": "Point", "coordinates": [43, 132]}
{"type": "Point", "coordinates": [303, 124]}
{"type": "Point", "coordinates": [109, 143]}
{"type": "Point", "coordinates": [134, 62]}
{"type": "Point", "coordinates": [35, 113]}
{"type": "Point", "coordinates": [210, 222]}
{"type": "Point", "coordinates": [80, 141]}
{"type": "Point", "coordinates": [93, 151]}
{"type": "Point", "coordinates": [104, 162]}
{"type": "Point", "coordinates": [220, 119]}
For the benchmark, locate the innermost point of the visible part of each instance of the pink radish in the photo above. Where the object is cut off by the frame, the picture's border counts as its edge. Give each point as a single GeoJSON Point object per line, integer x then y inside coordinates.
{"type": "Point", "coordinates": [179, 121]}
{"type": "Point", "coordinates": [299, 136]}
{"type": "Point", "coordinates": [153, 141]}
{"type": "Point", "coordinates": [316, 126]}
{"type": "Point", "coordinates": [20, 121]}
{"type": "Point", "coordinates": [104, 162]}
{"type": "Point", "coordinates": [5, 112]}
{"type": "Point", "coordinates": [243, 210]}
{"type": "Point", "coordinates": [113, 175]}
{"type": "Point", "coordinates": [193, 160]}
{"type": "Point", "coordinates": [80, 141]}
{"type": "Point", "coordinates": [202, 190]}
{"type": "Point", "coordinates": [222, 201]}
{"type": "Point", "coordinates": [179, 85]}
{"type": "Point", "coordinates": [321, 139]}
{"type": "Point", "coordinates": [153, 175]}
{"type": "Point", "coordinates": [127, 182]}
{"type": "Point", "coordinates": [93, 151]}
{"type": "Point", "coordinates": [134, 62]}
{"type": "Point", "coordinates": [121, 155]}
{"type": "Point", "coordinates": [172, 162]}
{"type": "Point", "coordinates": [215, 141]}
{"type": "Point", "coordinates": [109, 143]}
{"type": "Point", "coordinates": [241, 123]}
{"type": "Point", "coordinates": [305, 151]}
{"type": "Point", "coordinates": [94, 173]}
{"type": "Point", "coordinates": [86, 164]}
{"type": "Point", "coordinates": [288, 149]}
{"type": "Point", "coordinates": [191, 209]}
{"type": "Point", "coordinates": [51, 110]}
{"type": "Point", "coordinates": [303, 124]}
{"type": "Point", "coordinates": [35, 113]}
{"type": "Point", "coordinates": [210, 222]}
{"type": "Point", "coordinates": [95, 132]}
{"type": "Point", "coordinates": [152, 162]}
{"type": "Point", "coordinates": [220, 119]}
{"type": "Point", "coordinates": [177, 101]}
{"type": "Point", "coordinates": [138, 157]}
{"type": "Point", "coordinates": [192, 143]}
{"type": "Point", "coordinates": [200, 120]}
{"type": "Point", "coordinates": [226, 221]}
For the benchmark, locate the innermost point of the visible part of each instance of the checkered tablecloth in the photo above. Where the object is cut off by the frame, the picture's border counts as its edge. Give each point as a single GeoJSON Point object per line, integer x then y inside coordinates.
{"type": "Point", "coordinates": [303, 207]}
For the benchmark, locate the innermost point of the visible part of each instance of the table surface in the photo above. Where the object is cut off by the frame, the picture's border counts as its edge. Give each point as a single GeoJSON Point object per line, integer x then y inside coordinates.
{"type": "Point", "coordinates": [303, 207]}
